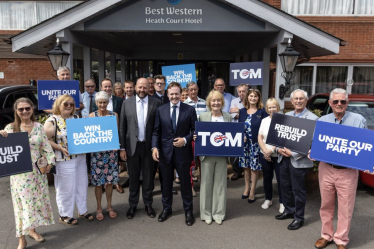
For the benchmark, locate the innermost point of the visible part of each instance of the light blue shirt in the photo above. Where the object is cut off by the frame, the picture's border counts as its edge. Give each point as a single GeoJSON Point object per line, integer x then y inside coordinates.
{"type": "Point", "coordinates": [349, 119]}
{"type": "Point", "coordinates": [86, 102]}
{"type": "Point", "coordinates": [228, 98]}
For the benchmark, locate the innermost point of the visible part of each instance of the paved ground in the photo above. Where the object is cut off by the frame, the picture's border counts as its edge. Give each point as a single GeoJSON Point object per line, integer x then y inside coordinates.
{"type": "Point", "coordinates": [246, 225]}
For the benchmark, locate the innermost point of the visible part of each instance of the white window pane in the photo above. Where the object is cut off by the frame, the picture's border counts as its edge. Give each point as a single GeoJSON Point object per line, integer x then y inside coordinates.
{"type": "Point", "coordinates": [363, 78]}
{"type": "Point", "coordinates": [303, 80]}
{"type": "Point", "coordinates": [17, 15]}
{"type": "Point", "coordinates": [365, 7]}
{"type": "Point", "coordinates": [46, 10]}
{"type": "Point", "coordinates": [330, 77]}
{"type": "Point", "coordinates": [318, 7]}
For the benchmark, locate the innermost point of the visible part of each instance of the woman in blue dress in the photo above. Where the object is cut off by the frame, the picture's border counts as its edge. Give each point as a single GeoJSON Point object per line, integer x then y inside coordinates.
{"type": "Point", "coordinates": [252, 115]}
{"type": "Point", "coordinates": [104, 164]}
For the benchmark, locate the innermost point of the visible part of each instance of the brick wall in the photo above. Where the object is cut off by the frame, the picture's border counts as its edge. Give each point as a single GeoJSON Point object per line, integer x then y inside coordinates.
{"type": "Point", "coordinates": [275, 3]}
{"type": "Point", "coordinates": [20, 71]}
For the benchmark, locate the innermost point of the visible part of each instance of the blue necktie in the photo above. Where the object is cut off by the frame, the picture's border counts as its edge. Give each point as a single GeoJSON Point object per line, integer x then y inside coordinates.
{"type": "Point", "coordinates": [174, 118]}
{"type": "Point", "coordinates": [141, 126]}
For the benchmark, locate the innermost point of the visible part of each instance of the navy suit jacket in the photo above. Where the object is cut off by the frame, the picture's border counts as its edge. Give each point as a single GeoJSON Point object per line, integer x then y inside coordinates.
{"type": "Point", "coordinates": [163, 134]}
{"type": "Point", "coordinates": [255, 121]}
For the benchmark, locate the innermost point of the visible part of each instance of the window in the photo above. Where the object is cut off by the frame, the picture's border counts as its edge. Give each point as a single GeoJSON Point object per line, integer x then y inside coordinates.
{"type": "Point", "coordinates": [328, 7]}
{"type": "Point", "coordinates": [323, 78]}
{"type": "Point", "coordinates": [23, 15]}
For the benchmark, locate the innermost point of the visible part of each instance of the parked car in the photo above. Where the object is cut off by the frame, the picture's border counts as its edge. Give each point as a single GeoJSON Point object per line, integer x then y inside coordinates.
{"type": "Point", "coordinates": [358, 103]}
{"type": "Point", "coordinates": [9, 94]}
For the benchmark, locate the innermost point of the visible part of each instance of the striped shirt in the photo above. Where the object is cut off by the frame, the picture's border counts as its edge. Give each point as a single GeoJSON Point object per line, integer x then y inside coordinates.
{"type": "Point", "coordinates": [200, 105]}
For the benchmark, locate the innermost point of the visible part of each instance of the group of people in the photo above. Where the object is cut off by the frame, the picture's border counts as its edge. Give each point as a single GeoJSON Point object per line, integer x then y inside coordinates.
{"type": "Point", "coordinates": [156, 132]}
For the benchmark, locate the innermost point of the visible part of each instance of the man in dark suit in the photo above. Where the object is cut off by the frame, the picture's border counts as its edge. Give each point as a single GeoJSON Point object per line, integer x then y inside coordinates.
{"type": "Point", "coordinates": [115, 103]}
{"type": "Point", "coordinates": [160, 92]}
{"type": "Point", "coordinates": [136, 127]}
{"type": "Point", "coordinates": [171, 147]}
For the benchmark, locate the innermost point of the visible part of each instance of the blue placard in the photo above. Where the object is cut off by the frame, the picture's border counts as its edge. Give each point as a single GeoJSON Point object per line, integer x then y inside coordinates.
{"type": "Point", "coordinates": [15, 156]}
{"type": "Point", "coordinates": [49, 90]}
{"type": "Point", "coordinates": [223, 139]}
{"type": "Point", "coordinates": [92, 134]}
{"type": "Point", "coordinates": [343, 145]}
{"type": "Point", "coordinates": [247, 73]}
{"type": "Point", "coordinates": [180, 73]}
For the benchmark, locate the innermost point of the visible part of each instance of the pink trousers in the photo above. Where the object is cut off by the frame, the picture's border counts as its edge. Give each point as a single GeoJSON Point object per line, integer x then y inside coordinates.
{"type": "Point", "coordinates": [340, 183]}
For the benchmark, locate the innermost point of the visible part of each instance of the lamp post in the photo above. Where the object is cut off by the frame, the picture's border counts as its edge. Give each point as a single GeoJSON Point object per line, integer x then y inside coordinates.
{"type": "Point", "coordinates": [288, 61]}
{"type": "Point", "coordinates": [57, 56]}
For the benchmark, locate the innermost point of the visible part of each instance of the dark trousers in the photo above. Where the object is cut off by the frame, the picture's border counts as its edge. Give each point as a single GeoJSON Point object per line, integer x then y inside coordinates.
{"type": "Point", "coordinates": [141, 161]}
{"type": "Point", "coordinates": [293, 188]}
{"type": "Point", "coordinates": [159, 174]}
{"type": "Point", "coordinates": [167, 171]}
{"type": "Point", "coordinates": [235, 166]}
{"type": "Point", "coordinates": [268, 169]}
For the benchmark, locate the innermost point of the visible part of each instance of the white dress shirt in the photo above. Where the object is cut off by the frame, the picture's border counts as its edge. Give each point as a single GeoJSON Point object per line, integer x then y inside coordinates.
{"type": "Point", "coordinates": [177, 110]}
{"type": "Point", "coordinates": [110, 104]}
{"type": "Point", "coordinates": [145, 106]}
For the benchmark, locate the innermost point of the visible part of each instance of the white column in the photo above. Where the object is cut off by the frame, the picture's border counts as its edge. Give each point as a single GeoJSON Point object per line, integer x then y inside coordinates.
{"type": "Point", "coordinates": [123, 68]}
{"type": "Point", "coordinates": [87, 64]}
{"type": "Point", "coordinates": [279, 79]}
{"type": "Point", "coordinates": [68, 47]}
{"type": "Point", "coordinates": [265, 74]}
{"type": "Point", "coordinates": [101, 65]}
{"type": "Point", "coordinates": [113, 67]}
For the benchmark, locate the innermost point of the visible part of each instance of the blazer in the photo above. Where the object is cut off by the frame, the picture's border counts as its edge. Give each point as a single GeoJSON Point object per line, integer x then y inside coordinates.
{"type": "Point", "coordinates": [164, 99]}
{"type": "Point", "coordinates": [128, 128]}
{"type": "Point", "coordinates": [255, 121]}
{"type": "Point", "coordinates": [207, 117]}
{"type": "Point", "coordinates": [163, 134]}
{"type": "Point", "coordinates": [117, 104]}
{"type": "Point", "coordinates": [300, 160]}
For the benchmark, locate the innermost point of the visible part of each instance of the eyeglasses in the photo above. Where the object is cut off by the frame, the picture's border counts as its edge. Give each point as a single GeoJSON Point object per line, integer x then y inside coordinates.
{"type": "Point", "coordinates": [343, 102]}
{"type": "Point", "coordinates": [71, 104]}
{"type": "Point", "coordinates": [90, 86]}
{"type": "Point", "coordinates": [159, 83]}
{"type": "Point", "coordinates": [301, 99]}
{"type": "Point", "coordinates": [219, 85]}
{"type": "Point", "coordinates": [254, 90]}
{"type": "Point", "coordinates": [24, 109]}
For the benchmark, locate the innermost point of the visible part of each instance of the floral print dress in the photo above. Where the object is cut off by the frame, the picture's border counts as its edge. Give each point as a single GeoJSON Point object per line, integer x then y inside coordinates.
{"type": "Point", "coordinates": [104, 165]}
{"type": "Point", "coordinates": [30, 193]}
{"type": "Point", "coordinates": [251, 157]}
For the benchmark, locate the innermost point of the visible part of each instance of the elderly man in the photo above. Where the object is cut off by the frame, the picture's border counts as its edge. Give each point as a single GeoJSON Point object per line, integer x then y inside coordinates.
{"type": "Point", "coordinates": [88, 97]}
{"type": "Point", "coordinates": [151, 90]}
{"type": "Point", "coordinates": [236, 105]}
{"type": "Point", "coordinates": [160, 93]}
{"type": "Point", "coordinates": [337, 181]}
{"type": "Point", "coordinates": [219, 85]}
{"type": "Point", "coordinates": [128, 87]}
{"type": "Point", "coordinates": [136, 127]}
{"type": "Point", "coordinates": [293, 169]}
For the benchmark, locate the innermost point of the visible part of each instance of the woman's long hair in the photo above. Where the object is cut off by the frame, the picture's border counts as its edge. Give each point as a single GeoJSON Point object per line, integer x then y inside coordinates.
{"type": "Point", "coordinates": [16, 125]}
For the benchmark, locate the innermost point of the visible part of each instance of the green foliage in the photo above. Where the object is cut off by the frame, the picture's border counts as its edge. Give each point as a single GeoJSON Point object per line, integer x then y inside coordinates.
{"type": "Point", "coordinates": [42, 118]}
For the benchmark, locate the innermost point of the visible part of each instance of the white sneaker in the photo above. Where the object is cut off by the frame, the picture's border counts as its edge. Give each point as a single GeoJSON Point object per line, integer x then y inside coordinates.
{"type": "Point", "coordinates": [281, 208]}
{"type": "Point", "coordinates": [266, 204]}
{"type": "Point", "coordinates": [208, 222]}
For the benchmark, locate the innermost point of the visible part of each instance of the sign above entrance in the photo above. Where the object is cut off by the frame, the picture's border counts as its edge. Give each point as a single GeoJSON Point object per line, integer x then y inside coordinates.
{"type": "Point", "coordinates": [247, 73]}
{"type": "Point", "coordinates": [174, 15]}
{"type": "Point", "coordinates": [180, 73]}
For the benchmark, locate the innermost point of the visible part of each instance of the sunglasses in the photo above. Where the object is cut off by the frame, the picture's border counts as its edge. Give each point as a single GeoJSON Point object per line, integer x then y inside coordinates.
{"type": "Point", "coordinates": [66, 104]}
{"type": "Point", "coordinates": [24, 109]}
{"type": "Point", "coordinates": [343, 102]}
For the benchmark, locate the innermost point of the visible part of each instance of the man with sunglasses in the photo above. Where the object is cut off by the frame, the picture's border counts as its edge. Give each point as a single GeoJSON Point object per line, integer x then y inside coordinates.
{"type": "Point", "coordinates": [293, 169]}
{"type": "Point", "coordinates": [88, 97]}
{"type": "Point", "coordinates": [337, 181]}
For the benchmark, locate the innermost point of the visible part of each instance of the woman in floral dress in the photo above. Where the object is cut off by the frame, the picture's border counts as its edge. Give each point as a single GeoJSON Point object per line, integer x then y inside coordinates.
{"type": "Point", "coordinates": [30, 194]}
{"type": "Point", "coordinates": [252, 115]}
{"type": "Point", "coordinates": [104, 165]}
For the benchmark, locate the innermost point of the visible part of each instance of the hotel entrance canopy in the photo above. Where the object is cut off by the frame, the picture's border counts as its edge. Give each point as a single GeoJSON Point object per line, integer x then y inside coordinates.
{"type": "Point", "coordinates": [162, 29]}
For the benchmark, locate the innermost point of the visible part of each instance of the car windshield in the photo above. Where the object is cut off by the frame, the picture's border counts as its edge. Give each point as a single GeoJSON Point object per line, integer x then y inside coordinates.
{"type": "Point", "coordinates": [365, 108]}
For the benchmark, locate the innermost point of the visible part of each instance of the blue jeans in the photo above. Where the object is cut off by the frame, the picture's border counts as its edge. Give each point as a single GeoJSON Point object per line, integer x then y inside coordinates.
{"type": "Point", "coordinates": [268, 169]}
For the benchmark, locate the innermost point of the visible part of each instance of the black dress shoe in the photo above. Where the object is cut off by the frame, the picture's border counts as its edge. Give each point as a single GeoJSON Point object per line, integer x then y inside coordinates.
{"type": "Point", "coordinates": [126, 184]}
{"type": "Point", "coordinates": [284, 216]}
{"type": "Point", "coordinates": [295, 224]}
{"type": "Point", "coordinates": [131, 212]}
{"type": "Point", "coordinates": [150, 211]}
{"type": "Point", "coordinates": [190, 219]}
{"type": "Point", "coordinates": [174, 192]}
{"type": "Point", "coordinates": [164, 215]}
